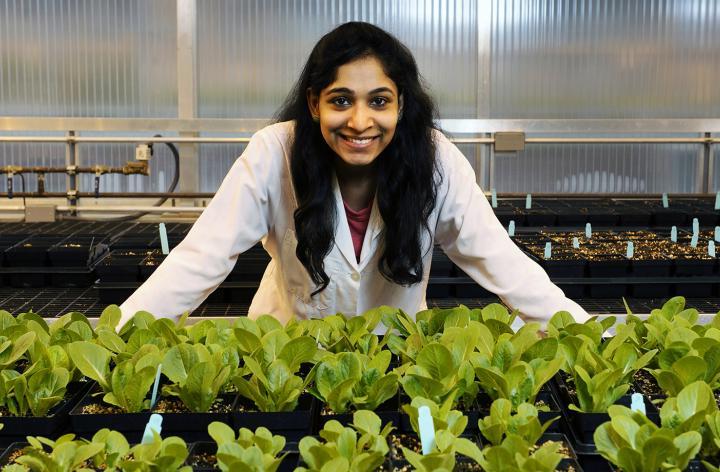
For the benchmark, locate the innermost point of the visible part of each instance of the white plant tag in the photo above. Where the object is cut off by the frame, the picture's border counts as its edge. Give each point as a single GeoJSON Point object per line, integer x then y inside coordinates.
{"type": "Point", "coordinates": [630, 249]}
{"type": "Point", "coordinates": [576, 243]}
{"type": "Point", "coordinates": [427, 430]}
{"type": "Point", "coordinates": [711, 249]}
{"type": "Point", "coordinates": [717, 234]}
{"type": "Point", "coordinates": [153, 399]}
{"type": "Point", "coordinates": [673, 234]}
{"type": "Point", "coordinates": [163, 239]}
{"type": "Point", "coordinates": [154, 424]}
{"type": "Point", "coordinates": [637, 403]}
{"type": "Point", "coordinates": [493, 198]}
{"type": "Point", "coordinates": [717, 201]}
{"type": "Point", "coordinates": [665, 202]}
{"type": "Point", "coordinates": [694, 240]}
{"type": "Point", "coordinates": [511, 228]}
{"type": "Point", "coordinates": [548, 250]}
{"type": "Point", "coordinates": [528, 201]}
{"type": "Point", "coordinates": [696, 226]}
{"type": "Point", "coordinates": [588, 230]}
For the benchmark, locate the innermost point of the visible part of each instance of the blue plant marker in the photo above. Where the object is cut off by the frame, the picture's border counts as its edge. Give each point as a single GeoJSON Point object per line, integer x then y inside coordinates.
{"type": "Point", "coordinates": [163, 239]}
{"type": "Point", "coordinates": [717, 201]}
{"type": "Point", "coordinates": [427, 430]}
{"type": "Point", "coordinates": [511, 228]}
{"type": "Point", "coordinates": [696, 226]}
{"type": "Point", "coordinates": [154, 424]}
{"type": "Point", "coordinates": [548, 250]}
{"type": "Point", "coordinates": [717, 234]}
{"type": "Point", "coordinates": [711, 249]}
{"type": "Point", "coordinates": [630, 249]}
{"type": "Point", "coordinates": [665, 200]}
{"type": "Point", "coordinates": [637, 403]}
{"type": "Point", "coordinates": [694, 240]}
{"type": "Point", "coordinates": [153, 399]}
{"type": "Point", "coordinates": [576, 243]}
{"type": "Point", "coordinates": [673, 234]}
{"type": "Point", "coordinates": [493, 198]}
{"type": "Point", "coordinates": [528, 202]}
{"type": "Point", "coordinates": [588, 230]}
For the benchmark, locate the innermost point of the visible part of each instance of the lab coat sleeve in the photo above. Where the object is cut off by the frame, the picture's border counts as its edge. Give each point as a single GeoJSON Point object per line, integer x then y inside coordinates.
{"type": "Point", "coordinates": [236, 218]}
{"type": "Point", "coordinates": [474, 239]}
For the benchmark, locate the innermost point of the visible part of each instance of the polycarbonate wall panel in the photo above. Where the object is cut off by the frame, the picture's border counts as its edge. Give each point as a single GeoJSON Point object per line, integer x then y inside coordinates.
{"type": "Point", "coordinates": [250, 53]}
{"type": "Point", "coordinates": [33, 154]}
{"type": "Point", "coordinates": [607, 168]}
{"type": "Point", "coordinates": [605, 59]}
{"type": "Point", "coordinates": [88, 58]}
{"type": "Point", "coordinates": [215, 162]}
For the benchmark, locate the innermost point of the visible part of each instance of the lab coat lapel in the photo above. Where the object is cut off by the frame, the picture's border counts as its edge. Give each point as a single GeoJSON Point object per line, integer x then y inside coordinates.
{"type": "Point", "coordinates": [370, 243]}
{"type": "Point", "coordinates": [343, 240]}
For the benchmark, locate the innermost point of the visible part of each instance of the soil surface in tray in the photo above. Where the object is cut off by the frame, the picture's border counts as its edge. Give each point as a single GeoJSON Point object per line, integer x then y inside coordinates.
{"type": "Point", "coordinates": [203, 460]}
{"type": "Point", "coordinates": [174, 405]}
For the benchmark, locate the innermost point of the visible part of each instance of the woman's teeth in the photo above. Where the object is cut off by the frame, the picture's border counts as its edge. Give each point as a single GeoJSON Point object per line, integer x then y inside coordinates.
{"type": "Point", "coordinates": [358, 141]}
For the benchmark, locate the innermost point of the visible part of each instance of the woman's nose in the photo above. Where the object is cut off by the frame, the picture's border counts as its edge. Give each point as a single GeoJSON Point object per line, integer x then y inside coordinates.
{"type": "Point", "coordinates": [360, 118]}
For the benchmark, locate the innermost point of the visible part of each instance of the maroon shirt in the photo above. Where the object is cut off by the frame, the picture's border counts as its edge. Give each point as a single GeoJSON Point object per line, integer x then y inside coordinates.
{"type": "Point", "coordinates": [358, 222]}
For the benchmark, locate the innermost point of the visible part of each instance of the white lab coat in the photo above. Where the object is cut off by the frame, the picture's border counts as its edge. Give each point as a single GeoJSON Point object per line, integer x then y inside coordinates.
{"type": "Point", "coordinates": [256, 202]}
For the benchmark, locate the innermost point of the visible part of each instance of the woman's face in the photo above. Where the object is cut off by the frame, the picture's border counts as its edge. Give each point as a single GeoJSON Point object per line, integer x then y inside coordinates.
{"type": "Point", "coordinates": [358, 112]}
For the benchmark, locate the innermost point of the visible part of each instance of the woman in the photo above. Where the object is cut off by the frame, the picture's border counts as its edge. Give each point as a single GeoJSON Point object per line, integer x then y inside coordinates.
{"type": "Point", "coordinates": [348, 192]}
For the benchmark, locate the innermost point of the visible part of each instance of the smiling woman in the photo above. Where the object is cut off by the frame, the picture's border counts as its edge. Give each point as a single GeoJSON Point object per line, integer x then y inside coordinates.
{"type": "Point", "coordinates": [349, 191]}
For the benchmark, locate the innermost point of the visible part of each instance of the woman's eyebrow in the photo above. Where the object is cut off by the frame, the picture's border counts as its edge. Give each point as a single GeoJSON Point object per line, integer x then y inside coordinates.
{"type": "Point", "coordinates": [347, 91]}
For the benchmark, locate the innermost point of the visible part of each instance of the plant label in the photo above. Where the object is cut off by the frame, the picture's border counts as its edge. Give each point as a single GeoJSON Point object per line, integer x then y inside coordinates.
{"type": "Point", "coordinates": [717, 201]}
{"type": "Point", "coordinates": [493, 198]}
{"type": "Point", "coordinates": [637, 403]}
{"type": "Point", "coordinates": [694, 240]}
{"type": "Point", "coordinates": [673, 234]}
{"type": "Point", "coordinates": [154, 424]}
{"type": "Point", "coordinates": [427, 430]}
{"type": "Point", "coordinates": [511, 228]}
{"type": "Point", "coordinates": [696, 226]}
{"type": "Point", "coordinates": [717, 234]}
{"type": "Point", "coordinates": [548, 250]}
{"type": "Point", "coordinates": [528, 202]}
{"type": "Point", "coordinates": [665, 202]}
{"type": "Point", "coordinates": [630, 249]}
{"type": "Point", "coordinates": [711, 249]}
{"type": "Point", "coordinates": [153, 399]}
{"type": "Point", "coordinates": [164, 239]}
{"type": "Point", "coordinates": [576, 243]}
{"type": "Point", "coordinates": [588, 230]}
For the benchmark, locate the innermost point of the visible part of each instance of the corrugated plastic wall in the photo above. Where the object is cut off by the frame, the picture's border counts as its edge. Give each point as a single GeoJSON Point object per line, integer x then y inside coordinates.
{"type": "Point", "coordinates": [542, 59]}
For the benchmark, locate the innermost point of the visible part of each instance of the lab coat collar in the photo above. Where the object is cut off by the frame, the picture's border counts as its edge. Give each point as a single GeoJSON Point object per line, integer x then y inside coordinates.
{"type": "Point", "coordinates": [343, 240]}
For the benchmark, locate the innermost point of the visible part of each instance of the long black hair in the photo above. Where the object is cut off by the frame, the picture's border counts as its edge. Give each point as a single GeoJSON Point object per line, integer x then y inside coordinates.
{"type": "Point", "coordinates": [406, 169]}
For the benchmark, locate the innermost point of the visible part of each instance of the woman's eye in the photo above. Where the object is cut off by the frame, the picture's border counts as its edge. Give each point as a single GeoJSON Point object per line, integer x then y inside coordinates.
{"type": "Point", "coordinates": [379, 102]}
{"type": "Point", "coordinates": [340, 101]}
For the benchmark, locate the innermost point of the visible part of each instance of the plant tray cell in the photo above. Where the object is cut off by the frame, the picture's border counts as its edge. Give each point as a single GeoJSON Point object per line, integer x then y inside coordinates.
{"type": "Point", "coordinates": [540, 219]}
{"type": "Point", "coordinates": [695, 290]}
{"type": "Point", "coordinates": [193, 426]}
{"type": "Point", "coordinates": [86, 425]}
{"type": "Point", "coordinates": [608, 290]}
{"type": "Point", "coordinates": [7, 449]}
{"type": "Point", "coordinates": [608, 268]}
{"type": "Point", "coordinates": [16, 428]}
{"type": "Point", "coordinates": [206, 447]}
{"type": "Point", "coordinates": [291, 424]}
{"type": "Point", "coordinates": [694, 267]}
{"type": "Point", "coordinates": [650, 268]}
{"type": "Point", "coordinates": [564, 268]}
{"type": "Point", "coordinates": [654, 290]}
{"type": "Point", "coordinates": [387, 412]}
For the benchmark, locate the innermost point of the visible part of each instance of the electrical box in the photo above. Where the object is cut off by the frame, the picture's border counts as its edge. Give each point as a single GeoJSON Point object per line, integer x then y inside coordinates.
{"type": "Point", "coordinates": [39, 213]}
{"type": "Point", "coordinates": [509, 141]}
{"type": "Point", "coordinates": [143, 152]}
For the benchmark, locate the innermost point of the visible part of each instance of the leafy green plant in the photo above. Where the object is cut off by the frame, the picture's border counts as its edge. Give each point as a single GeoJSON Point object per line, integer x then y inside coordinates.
{"type": "Point", "coordinates": [34, 391]}
{"type": "Point", "coordinates": [444, 367]}
{"type": "Point", "coordinates": [13, 348]}
{"type": "Point", "coordinates": [711, 441]}
{"type": "Point", "coordinates": [359, 447]}
{"type": "Point", "coordinates": [501, 422]}
{"type": "Point", "coordinates": [516, 366]}
{"type": "Point", "coordinates": [127, 385]}
{"type": "Point", "coordinates": [688, 360]}
{"type": "Point", "coordinates": [159, 455]}
{"type": "Point", "coordinates": [339, 333]}
{"type": "Point", "coordinates": [350, 380]}
{"type": "Point", "coordinates": [197, 375]}
{"type": "Point", "coordinates": [444, 417]}
{"type": "Point", "coordinates": [633, 442]}
{"type": "Point", "coordinates": [442, 457]}
{"type": "Point", "coordinates": [602, 373]}
{"type": "Point", "coordinates": [273, 385]}
{"type": "Point", "coordinates": [64, 454]}
{"type": "Point", "coordinates": [248, 451]}
{"type": "Point", "coordinates": [514, 453]}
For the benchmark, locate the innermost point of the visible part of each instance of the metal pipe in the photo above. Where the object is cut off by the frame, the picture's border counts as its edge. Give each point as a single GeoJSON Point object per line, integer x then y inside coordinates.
{"type": "Point", "coordinates": [215, 140]}
{"type": "Point", "coordinates": [129, 209]}
{"type": "Point", "coordinates": [112, 194]}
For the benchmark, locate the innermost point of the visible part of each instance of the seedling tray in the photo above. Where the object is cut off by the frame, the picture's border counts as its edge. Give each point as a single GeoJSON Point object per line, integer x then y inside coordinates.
{"type": "Point", "coordinates": [294, 425]}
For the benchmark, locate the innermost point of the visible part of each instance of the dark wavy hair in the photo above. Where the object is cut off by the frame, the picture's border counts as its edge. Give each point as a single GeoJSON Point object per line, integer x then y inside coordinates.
{"type": "Point", "coordinates": [406, 169]}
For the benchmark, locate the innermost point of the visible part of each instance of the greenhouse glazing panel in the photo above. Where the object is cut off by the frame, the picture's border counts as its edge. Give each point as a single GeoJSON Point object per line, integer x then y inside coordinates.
{"type": "Point", "coordinates": [88, 58]}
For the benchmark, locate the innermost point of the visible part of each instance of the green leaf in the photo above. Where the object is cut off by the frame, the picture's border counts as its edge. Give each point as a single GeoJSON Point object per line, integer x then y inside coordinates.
{"type": "Point", "coordinates": [92, 360]}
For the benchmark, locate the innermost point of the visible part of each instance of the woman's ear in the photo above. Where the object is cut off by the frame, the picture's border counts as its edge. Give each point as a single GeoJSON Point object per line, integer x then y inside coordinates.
{"type": "Point", "coordinates": [400, 107]}
{"type": "Point", "coordinates": [313, 104]}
